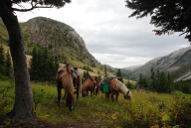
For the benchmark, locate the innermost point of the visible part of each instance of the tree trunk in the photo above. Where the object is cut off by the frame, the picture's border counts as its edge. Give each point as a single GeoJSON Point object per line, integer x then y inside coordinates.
{"type": "Point", "coordinates": [23, 106]}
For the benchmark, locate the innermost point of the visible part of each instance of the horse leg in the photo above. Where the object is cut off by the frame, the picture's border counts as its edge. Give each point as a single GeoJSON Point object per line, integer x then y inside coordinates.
{"type": "Point", "coordinates": [107, 95]}
{"type": "Point", "coordinates": [59, 95]}
{"type": "Point", "coordinates": [117, 95]}
{"type": "Point", "coordinates": [97, 91]}
{"type": "Point", "coordinates": [91, 91]}
{"type": "Point", "coordinates": [77, 91]}
{"type": "Point", "coordinates": [112, 96]}
{"type": "Point", "coordinates": [70, 101]}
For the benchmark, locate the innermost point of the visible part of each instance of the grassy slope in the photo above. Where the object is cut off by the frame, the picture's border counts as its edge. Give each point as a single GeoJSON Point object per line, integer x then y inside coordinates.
{"type": "Point", "coordinates": [94, 111]}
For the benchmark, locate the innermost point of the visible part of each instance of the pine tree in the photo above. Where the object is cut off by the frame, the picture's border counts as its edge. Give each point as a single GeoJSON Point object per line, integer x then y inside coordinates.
{"type": "Point", "coordinates": [153, 79]}
{"type": "Point", "coordinates": [43, 65]}
{"type": "Point", "coordinates": [85, 75]}
{"type": "Point", "coordinates": [142, 83]}
{"type": "Point", "coordinates": [119, 73]}
{"type": "Point", "coordinates": [167, 15]}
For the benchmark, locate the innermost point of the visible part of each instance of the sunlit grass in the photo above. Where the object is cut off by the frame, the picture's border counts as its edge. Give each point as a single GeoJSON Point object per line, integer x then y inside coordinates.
{"type": "Point", "coordinates": [144, 108]}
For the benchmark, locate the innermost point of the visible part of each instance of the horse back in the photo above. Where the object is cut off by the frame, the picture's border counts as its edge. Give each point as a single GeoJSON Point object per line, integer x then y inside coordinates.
{"type": "Point", "coordinates": [114, 86]}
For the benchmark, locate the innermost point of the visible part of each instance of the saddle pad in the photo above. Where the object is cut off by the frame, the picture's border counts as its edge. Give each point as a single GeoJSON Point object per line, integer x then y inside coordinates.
{"type": "Point", "coordinates": [105, 88]}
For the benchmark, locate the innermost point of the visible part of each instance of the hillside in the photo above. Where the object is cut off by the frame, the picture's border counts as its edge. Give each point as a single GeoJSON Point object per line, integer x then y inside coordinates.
{"type": "Point", "coordinates": [61, 40]}
{"type": "Point", "coordinates": [177, 63]}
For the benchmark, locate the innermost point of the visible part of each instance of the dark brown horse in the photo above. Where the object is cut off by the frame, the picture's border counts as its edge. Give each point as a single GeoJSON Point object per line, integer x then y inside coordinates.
{"type": "Point", "coordinates": [65, 81]}
{"type": "Point", "coordinates": [90, 84]}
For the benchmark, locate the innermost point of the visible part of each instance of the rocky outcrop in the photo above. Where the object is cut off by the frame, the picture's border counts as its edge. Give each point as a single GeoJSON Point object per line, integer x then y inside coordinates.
{"type": "Point", "coordinates": [60, 39]}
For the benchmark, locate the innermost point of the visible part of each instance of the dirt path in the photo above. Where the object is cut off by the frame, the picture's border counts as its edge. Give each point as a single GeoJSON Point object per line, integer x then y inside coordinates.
{"type": "Point", "coordinates": [44, 124]}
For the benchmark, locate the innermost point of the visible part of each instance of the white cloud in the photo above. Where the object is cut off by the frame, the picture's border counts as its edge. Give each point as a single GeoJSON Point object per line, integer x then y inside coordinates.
{"type": "Point", "coordinates": [110, 35]}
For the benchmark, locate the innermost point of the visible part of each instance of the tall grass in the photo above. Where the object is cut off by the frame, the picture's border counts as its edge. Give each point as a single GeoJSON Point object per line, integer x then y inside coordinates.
{"type": "Point", "coordinates": [146, 109]}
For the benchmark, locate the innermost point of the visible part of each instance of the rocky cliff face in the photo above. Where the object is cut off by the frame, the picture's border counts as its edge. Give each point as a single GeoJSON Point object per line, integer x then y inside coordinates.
{"type": "Point", "coordinates": [60, 39]}
{"type": "Point", "coordinates": [177, 63]}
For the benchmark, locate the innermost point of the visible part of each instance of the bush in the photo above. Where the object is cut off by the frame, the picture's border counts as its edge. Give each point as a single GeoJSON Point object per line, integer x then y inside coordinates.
{"type": "Point", "coordinates": [131, 86]}
{"type": "Point", "coordinates": [39, 96]}
{"type": "Point", "coordinates": [180, 111]}
{"type": "Point", "coordinates": [4, 96]}
{"type": "Point", "coordinates": [141, 117]}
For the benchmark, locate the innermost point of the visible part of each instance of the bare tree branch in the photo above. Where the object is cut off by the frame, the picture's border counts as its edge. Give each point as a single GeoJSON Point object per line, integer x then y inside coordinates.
{"type": "Point", "coordinates": [25, 10]}
{"type": "Point", "coordinates": [33, 6]}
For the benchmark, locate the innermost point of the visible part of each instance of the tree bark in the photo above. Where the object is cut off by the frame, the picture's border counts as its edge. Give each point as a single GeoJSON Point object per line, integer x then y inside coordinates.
{"type": "Point", "coordinates": [23, 106]}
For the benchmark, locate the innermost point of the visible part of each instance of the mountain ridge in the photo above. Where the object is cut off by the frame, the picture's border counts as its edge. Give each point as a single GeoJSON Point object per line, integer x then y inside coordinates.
{"type": "Point", "coordinates": [176, 63]}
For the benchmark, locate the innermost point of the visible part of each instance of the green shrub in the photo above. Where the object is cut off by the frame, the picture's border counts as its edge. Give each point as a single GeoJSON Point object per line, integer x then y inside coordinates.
{"type": "Point", "coordinates": [142, 117]}
{"type": "Point", "coordinates": [180, 111]}
{"type": "Point", "coordinates": [4, 96]}
{"type": "Point", "coordinates": [38, 98]}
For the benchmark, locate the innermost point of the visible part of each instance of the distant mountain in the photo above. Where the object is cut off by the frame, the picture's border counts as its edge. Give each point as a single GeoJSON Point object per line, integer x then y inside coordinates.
{"type": "Point", "coordinates": [177, 63]}
{"type": "Point", "coordinates": [132, 68]}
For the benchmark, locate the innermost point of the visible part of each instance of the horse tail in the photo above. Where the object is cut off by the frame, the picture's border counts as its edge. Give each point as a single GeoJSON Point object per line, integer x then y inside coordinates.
{"type": "Point", "coordinates": [97, 89]}
{"type": "Point", "coordinates": [77, 91]}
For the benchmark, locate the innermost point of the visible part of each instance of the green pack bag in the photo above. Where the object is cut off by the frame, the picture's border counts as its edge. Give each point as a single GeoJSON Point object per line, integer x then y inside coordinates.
{"type": "Point", "coordinates": [105, 88]}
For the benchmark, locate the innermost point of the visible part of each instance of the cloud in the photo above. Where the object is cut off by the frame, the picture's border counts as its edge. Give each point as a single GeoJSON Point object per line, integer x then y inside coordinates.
{"type": "Point", "coordinates": [110, 35]}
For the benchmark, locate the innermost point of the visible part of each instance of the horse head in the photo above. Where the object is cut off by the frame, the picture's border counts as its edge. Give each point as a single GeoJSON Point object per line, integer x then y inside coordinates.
{"type": "Point", "coordinates": [94, 80]}
{"type": "Point", "coordinates": [128, 95]}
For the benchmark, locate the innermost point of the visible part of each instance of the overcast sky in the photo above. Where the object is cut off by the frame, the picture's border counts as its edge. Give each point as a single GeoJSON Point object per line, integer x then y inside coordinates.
{"type": "Point", "coordinates": [110, 35]}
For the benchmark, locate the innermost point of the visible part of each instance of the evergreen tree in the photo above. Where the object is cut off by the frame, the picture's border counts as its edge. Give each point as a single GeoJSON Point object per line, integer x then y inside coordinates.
{"type": "Point", "coordinates": [86, 75]}
{"type": "Point", "coordinates": [153, 79]}
{"type": "Point", "coordinates": [43, 65]}
{"type": "Point", "coordinates": [119, 73]}
{"type": "Point", "coordinates": [161, 81]}
{"type": "Point", "coordinates": [142, 83]}
{"type": "Point", "coordinates": [168, 15]}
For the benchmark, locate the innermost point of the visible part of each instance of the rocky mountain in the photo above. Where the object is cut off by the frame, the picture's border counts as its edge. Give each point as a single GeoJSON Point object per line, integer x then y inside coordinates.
{"type": "Point", "coordinates": [177, 63]}
{"type": "Point", "coordinates": [60, 39]}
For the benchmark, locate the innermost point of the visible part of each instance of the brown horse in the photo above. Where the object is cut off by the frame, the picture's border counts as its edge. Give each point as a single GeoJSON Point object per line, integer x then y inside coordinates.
{"type": "Point", "coordinates": [65, 80]}
{"type": "Point", "coordinates": [90, 84]}
{"type": "Point", "coordinates": [116, 87]}
{"type": "Point", "coordinates": [76, 81]}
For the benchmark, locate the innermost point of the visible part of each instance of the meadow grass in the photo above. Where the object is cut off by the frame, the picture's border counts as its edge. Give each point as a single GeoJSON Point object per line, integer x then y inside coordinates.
{"type": "Point", "coordinates": [146, 109]}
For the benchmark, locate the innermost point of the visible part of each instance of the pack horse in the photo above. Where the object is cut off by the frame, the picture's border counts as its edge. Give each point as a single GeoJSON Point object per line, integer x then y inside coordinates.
{"type": "Point", "coordinates": [65, 80]}
{"type": "Point", "coordinates": [112, 87]}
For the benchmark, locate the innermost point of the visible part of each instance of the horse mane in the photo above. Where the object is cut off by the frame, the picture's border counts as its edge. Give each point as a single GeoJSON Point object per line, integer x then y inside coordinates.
{"type": "Point", "coordinates": [121, 86]}
{"type": "Point", "coordinates": [68, 69]}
